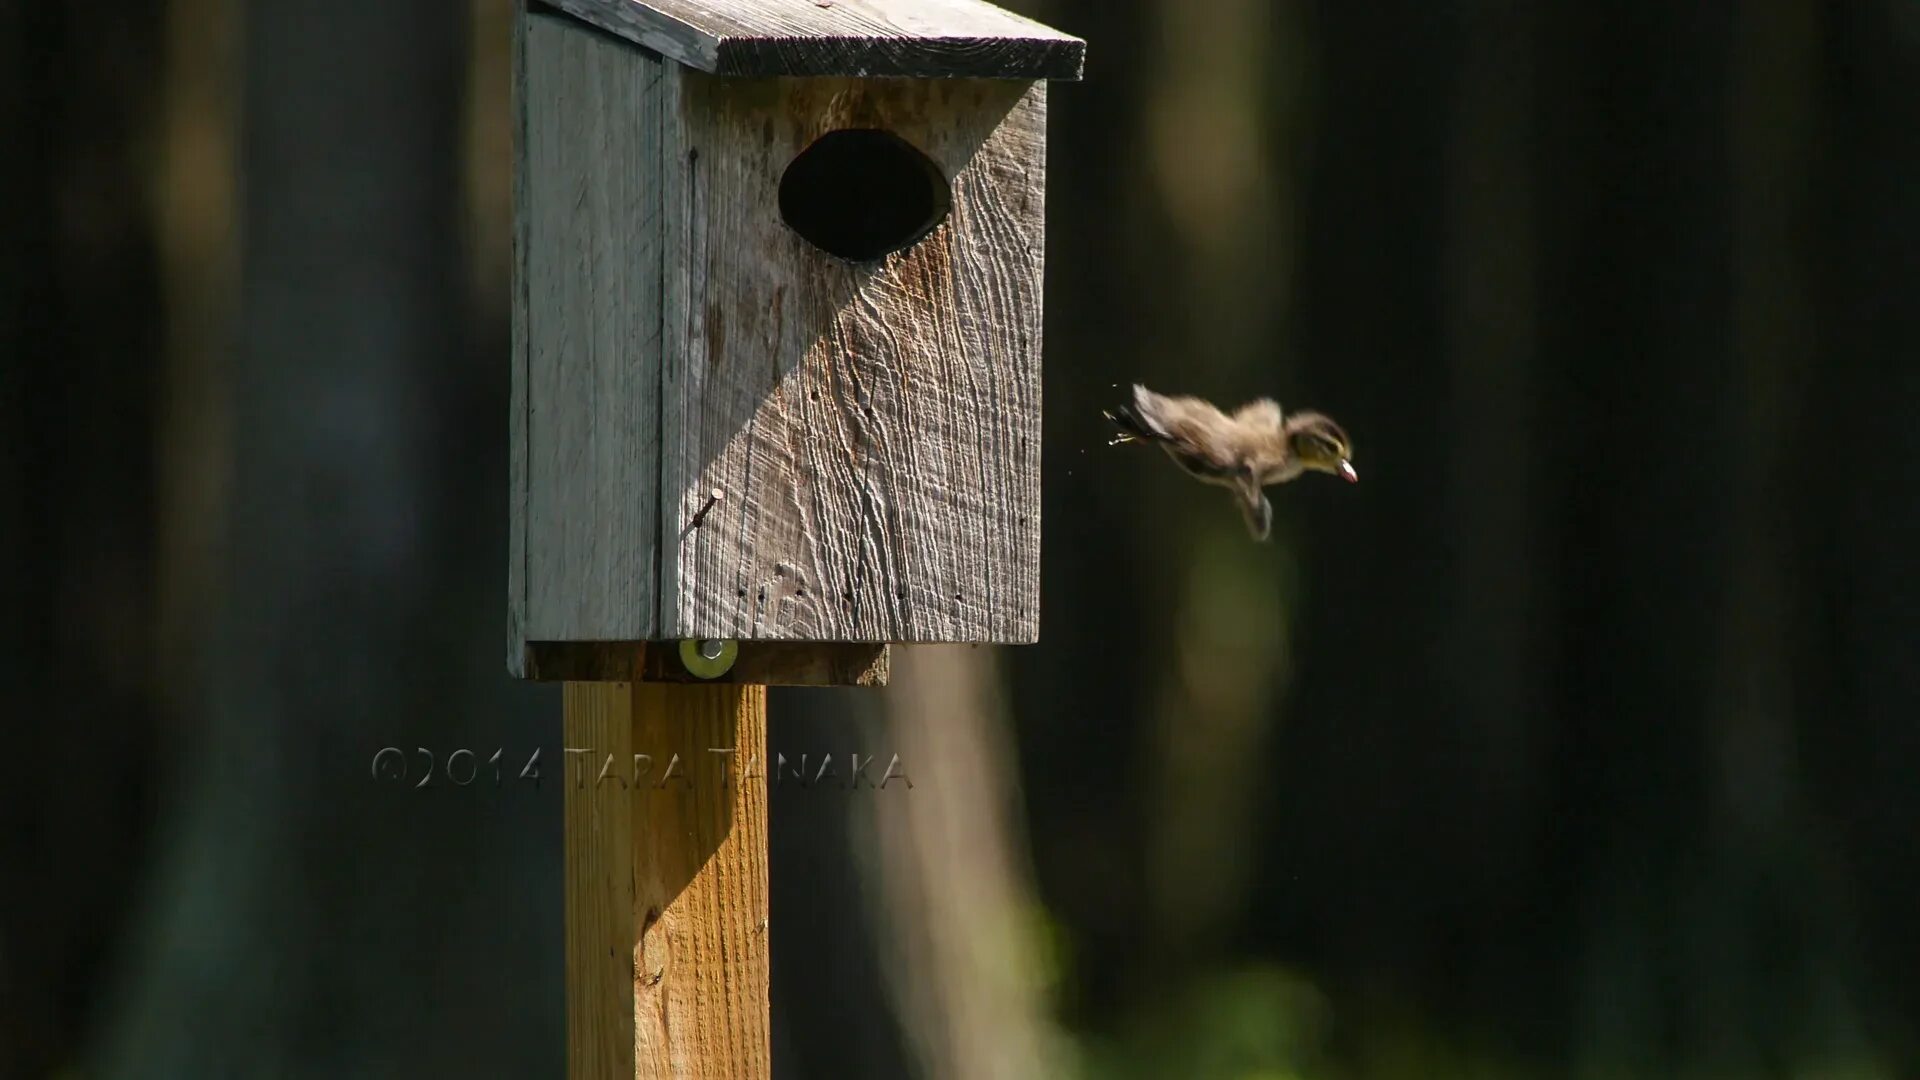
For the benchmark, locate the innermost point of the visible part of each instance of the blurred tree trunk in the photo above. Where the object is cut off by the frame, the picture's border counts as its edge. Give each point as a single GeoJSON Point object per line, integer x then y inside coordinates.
{"type": "Point", "coordinates": [1360, 853]}
{"type": "Point", "coordinates": [1771, 929]}
{"type": "Point", "coordinates": [833, 1011]}
{"type": "Point", "coordinates": [1082, 696]}
{"type": "Point", "coordinates": [1856, 603]}
{"type": "Point", "coordinates": [1493, 501]}
{"type": "Point", "coordinates": [1224, 133]}
{"type": "Point", "coordinates": [912, 902]}
{"type": "Point", "coordinates": [307, 919]}
{"type": "Point", "coordinates": [80, 321]}
{"type": "Point", "coordinates": [971, 961]}
{"type": "Point", "coordinates": [1543, 538]}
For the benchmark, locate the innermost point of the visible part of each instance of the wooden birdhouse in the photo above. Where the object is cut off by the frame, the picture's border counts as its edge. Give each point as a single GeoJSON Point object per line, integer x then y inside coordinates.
{"type": "Point", "coordinates": [777, 306]}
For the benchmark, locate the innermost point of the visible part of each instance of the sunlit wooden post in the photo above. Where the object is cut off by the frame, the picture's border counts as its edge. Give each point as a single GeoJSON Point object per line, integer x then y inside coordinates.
{"type": "Point", "coordinates": [776, 404]}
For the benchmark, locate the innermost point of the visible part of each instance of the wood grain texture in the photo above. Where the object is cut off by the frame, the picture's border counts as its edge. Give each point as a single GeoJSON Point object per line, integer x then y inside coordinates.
{"type": "Point", "coordinates": [587, 395]}
{"type": "Point", "coordinates": [874, 428]}
{"type": "Point", "coordinates": [920, 38]}
{"type": "Point", "coordinates": [667, 894]}
{"type": "Point", "coordinates": [765, 663]}
{"type": "Point", "coordinates": [602, 928]}
{"type": "Point", "coordinates": [701, 865]}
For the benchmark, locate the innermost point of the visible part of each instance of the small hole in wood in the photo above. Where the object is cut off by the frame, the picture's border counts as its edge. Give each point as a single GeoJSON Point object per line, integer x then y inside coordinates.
{"type": "Point", "coordinates": [862, 194]}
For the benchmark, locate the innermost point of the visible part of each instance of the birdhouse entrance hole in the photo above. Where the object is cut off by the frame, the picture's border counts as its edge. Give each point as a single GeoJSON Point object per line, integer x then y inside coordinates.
{"type": "Point", "coordinates": [862, 194]}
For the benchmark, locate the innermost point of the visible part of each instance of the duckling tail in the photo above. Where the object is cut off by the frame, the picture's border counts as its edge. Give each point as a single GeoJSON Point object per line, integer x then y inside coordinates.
{"type": "Point", "coordinates": [1130, 427]}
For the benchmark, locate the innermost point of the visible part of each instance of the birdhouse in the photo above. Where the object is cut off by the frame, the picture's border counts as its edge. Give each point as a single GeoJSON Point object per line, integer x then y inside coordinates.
{"type": "Point", "coordinates": [777, 298]}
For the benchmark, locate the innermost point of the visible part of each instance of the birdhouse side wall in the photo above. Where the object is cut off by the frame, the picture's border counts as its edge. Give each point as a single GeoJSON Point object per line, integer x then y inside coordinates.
{"type": "Point", "coordinates": [586, 382]}
{"type": "Point", "coordinates": [852, 450]}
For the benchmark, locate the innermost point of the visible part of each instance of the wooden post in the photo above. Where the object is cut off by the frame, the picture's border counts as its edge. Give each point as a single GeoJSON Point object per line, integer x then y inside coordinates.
{"type": "Point", "coordinates": [666, 880]}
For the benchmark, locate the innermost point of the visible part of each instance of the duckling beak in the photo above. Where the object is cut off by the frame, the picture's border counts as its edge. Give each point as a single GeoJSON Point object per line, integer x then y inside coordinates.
{"type": "Point", "coordinates": [1347, 470]}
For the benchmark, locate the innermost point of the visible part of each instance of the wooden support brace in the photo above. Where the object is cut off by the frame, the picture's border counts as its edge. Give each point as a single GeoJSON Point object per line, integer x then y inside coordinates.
{"type": "Point", "coordinates": [766, 663]}
{"type": "Point", "coordinates": [666, 880]}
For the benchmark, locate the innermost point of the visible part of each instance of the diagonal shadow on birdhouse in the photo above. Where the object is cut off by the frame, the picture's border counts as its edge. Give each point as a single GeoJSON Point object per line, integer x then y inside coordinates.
{"type": "Point", "coordinates": [779, 349]}
{"type": "Point", "coordinates": [853, 436]}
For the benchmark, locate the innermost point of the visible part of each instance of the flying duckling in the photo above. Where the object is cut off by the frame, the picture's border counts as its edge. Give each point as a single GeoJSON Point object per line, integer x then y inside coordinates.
{"type": "Point", "coordinates": [1244, 452]}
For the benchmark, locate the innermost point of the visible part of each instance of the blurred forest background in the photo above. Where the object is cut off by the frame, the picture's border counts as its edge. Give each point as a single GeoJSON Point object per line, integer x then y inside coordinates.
{"type": "Point", "coordinates": [1579, 738]}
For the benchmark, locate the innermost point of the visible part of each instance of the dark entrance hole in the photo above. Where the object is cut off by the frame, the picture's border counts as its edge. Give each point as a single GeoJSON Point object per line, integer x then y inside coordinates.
{"type": "Point", "coordinates": [861, 194]}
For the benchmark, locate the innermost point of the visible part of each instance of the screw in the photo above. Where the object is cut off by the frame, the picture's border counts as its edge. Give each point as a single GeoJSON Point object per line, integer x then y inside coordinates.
{"type": "Point", "coordinates": [708, 658]}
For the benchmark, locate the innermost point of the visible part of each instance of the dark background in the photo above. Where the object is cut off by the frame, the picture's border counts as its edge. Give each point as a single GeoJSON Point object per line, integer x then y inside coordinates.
{"type": "Point", "coordinates": [1579, 738]}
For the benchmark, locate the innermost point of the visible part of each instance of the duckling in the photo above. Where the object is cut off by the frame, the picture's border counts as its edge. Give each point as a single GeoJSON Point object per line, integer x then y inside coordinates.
{"type": "Point", "coordinates": [1245, 452]}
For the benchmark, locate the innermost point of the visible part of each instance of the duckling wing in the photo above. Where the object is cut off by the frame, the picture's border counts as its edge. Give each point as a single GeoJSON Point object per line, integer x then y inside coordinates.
{"type": "Point", "coordinates": [1259, 418]}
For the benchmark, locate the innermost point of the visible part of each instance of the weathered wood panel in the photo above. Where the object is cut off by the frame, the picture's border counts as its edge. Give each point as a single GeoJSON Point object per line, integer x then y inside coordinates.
{"type": "Point", "coordinates": [873, 429]}
{"type": "Point", "coordinates": [588, 375]}
{"type": "Point", "coordinates": [924, 38]}
{"type": "Point", "coordinates": [764, 663]}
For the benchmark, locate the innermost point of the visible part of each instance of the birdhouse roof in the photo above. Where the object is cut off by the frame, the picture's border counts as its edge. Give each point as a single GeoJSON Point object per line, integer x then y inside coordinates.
{"type": "Point", "coordinates": [901, 38]}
